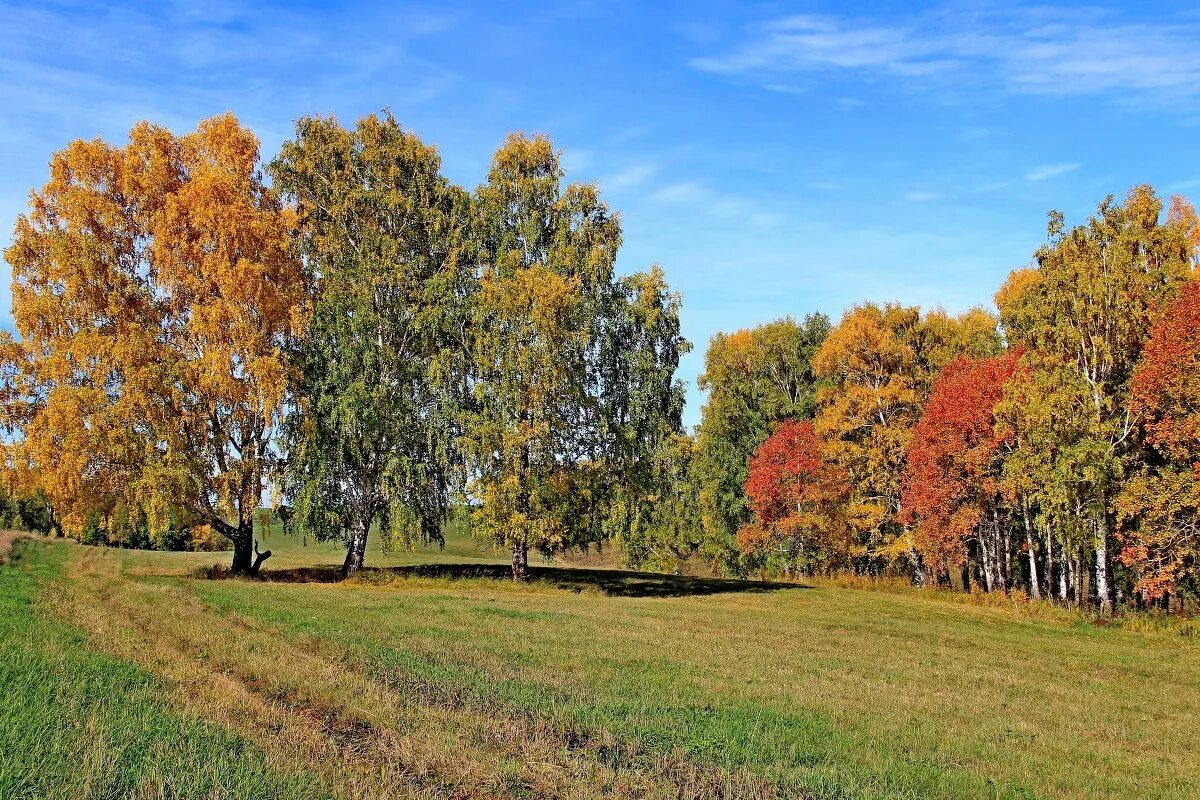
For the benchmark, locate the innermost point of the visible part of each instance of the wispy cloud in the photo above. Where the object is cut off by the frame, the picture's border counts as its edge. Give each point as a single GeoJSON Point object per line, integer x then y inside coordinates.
{"type": "Point", "coordinates": [702, 199]}
{"type": "Point", "coordinates": [923, 197]}
{"type": "Point", "coordinates": [117, 63]}
{"type": "Point", "coordinates": [805, 42]}
{"type": "Point", "coordinates": [1047, 171]}
{"type": "Point", "coordinates": [631, 176]}
{"type": "Point", "coordinates": [1026, 50]}
{"type": "Point", "coordinates": [1179, 186]}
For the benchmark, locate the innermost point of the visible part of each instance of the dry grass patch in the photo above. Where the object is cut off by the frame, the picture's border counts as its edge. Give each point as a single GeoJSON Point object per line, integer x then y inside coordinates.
{"type": "Point", "coordinates": [303, 703]}
{"type": "Point", "coordinates": [7, 540]}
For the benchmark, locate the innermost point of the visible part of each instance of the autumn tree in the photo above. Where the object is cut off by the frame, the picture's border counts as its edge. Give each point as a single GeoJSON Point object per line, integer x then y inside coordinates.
{"type": "Point", "coordinates": [753, 379]}
{"type": "Point", "coordinates": [952, 487]}
{"type": "Point", "coordinates": [572, 368]}
{"type": "Point", "coordinates": [1083, 315]}
{"type": "Point", "coordinates": [382, 371]}
{"type": "Point", "coordinates": [878, 365]}
{"type": "Point", "coordinates": [1160, 506]}
{"type": "Point", "coordinates": [798, 497]}
{"type": "Point", "coordinates": [155, 287]}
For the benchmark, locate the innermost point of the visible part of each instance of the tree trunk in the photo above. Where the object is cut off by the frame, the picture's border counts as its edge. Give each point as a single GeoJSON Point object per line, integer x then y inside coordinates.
{"type": "Point", "coordinates": [1083, 573]}
{"type": "Point", "coordinates": [1103, 579]}
{"type": "Point", "coordinates": [247, 560]}
{"type": "Point", "coordinates": [1049, 571]}
{"type": "Point", "coordinates": [259, 558]}
{"type": "Point", "coordinates": [1063, 560]}
{"type": "Point", "coordinates": [985, 557]}
{"type": "Point", "coordinates": [1035, 590]}
{"type": "Point", "coordinates": [520, 560]}
{"type": "Point", "coordinates": [1075, 566]}
{"type": "Point", "coordinates": [1002, 553]}
{"type": "Point", "coordinates": [243, 552]}
{"type": "Point", "coordinates": [356, 547]}
{"type": "Point", "coordinates": [919, 575]}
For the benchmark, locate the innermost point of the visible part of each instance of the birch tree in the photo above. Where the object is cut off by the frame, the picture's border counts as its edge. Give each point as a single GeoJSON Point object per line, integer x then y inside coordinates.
{"type": "Point", "coordinates": [372, 439]}
{"type": "Point", "coordinates": [155, 288]}
{"type": "Point", "coordinates": [754, 378]}
{"type": "Point", "coordinates": [1084, 315]}
{"type": "Point", "coordinates": [572, 369]}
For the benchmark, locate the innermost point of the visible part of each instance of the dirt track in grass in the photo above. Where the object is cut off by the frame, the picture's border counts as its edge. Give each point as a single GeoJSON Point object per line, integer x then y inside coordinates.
{"type": "Point", "coordinates": [306, 705]}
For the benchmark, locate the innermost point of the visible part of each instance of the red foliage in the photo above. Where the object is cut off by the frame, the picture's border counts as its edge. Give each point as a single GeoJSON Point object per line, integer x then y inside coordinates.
{"type": "Point", "coordinates": [1166, 384]}
{"type": "Point", "coordinates": [952, 473]}
{"type": "Point", "coordinates": [789, 456]}
{"type": "Point", "coordinates": [794, 491]}
{"type": "Point", "coordinates": [1159, 510]}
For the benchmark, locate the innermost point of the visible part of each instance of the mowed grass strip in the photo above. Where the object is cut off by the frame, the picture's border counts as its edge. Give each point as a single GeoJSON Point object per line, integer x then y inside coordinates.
{"type": "Point", "coordinates": [495, 690]}
{"type": "Point", "coordinates": [75, 723]}
{"type": "Point", "coordinates": [304, 704]}
{"type": "Point", "coordinates": [829, 691]}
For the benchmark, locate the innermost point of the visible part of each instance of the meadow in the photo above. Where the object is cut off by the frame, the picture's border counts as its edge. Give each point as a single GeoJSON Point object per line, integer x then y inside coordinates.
{"type": "Point", "coordinates": [129, 674]}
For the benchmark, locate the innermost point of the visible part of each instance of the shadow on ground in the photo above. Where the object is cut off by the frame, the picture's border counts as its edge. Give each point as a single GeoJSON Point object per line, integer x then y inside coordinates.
{"type": "Point", "coordinates": [611, 582]}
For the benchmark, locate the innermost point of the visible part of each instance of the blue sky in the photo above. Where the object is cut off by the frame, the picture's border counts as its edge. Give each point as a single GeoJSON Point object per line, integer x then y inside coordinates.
{"type": "Point", "coordinates": [774, 158]}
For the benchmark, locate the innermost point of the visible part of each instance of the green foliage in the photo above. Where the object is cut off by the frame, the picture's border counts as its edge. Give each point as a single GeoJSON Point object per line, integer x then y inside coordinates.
{"type": "Point", "coordinates": [93, 532]}
{"type": "Point", "coordinates": [573, 368]}
{"type": "Point", "coordinates": [381, 372]}
{"type": "Point", "coordinates": [1083, 316]}
{"type": "Point", "coordinates": [26, 512]}
{"type": "Point", "coordinates": [753, 378]}
{"type": "Point", "coordinates": [666, 530]}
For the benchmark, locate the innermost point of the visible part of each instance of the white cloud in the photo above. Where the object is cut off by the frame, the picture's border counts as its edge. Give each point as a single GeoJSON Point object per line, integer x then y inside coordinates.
{"type": "Point", "coordinates": [806, 42]}
{"type": "Point", "coordinates": [1046, 171]}
{"type": "Point", "coordinates": [629, 177]}
{"type": "Point", "coordinates": [701, 199]}
{"type": "Point", "coordinates": [1028, 51]}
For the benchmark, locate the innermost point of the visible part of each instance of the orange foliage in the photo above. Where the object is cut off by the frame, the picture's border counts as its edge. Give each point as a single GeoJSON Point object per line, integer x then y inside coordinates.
{"type": "Point", "coordinates": [951, 480]}
{"type": "Point", "coordinates": [1160, 509]}
{"type": "Point", "coordinates": [797, 495]}
{"type": "Point", "coordinates": [1166, 384]}
{"type": "Point", "coordinates": [154, 287]}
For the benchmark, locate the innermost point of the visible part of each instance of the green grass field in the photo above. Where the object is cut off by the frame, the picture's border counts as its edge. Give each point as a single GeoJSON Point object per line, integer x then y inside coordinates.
{"type": "Point", "coordinates": [432, 676]}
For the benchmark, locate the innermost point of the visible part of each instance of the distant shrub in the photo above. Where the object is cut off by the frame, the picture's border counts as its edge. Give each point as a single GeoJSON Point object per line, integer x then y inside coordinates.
{"type": "Point", "coordinates": [93, 532]}
{"type": "Point", "coordinates": [214, 572]}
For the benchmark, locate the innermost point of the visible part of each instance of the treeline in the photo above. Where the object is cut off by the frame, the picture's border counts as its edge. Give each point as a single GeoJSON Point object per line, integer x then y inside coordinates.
{"type": "Point", "coordinates": [358, 336]}
{"type": "Point", "coordinates": [347, 332]}
{"type": "Point", "coordinates": [1052, 449]}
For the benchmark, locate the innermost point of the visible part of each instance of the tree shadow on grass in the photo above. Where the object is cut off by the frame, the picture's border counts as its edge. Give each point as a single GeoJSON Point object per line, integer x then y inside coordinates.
{"type": "Point", "coordinates": [610, 582]}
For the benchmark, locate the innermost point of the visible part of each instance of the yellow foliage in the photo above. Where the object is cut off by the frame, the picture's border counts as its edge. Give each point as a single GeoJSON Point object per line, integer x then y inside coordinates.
{"type": "Point", "coordinates": [879, 364]}
{"type": "Point", "coordinates": [154, 286]}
